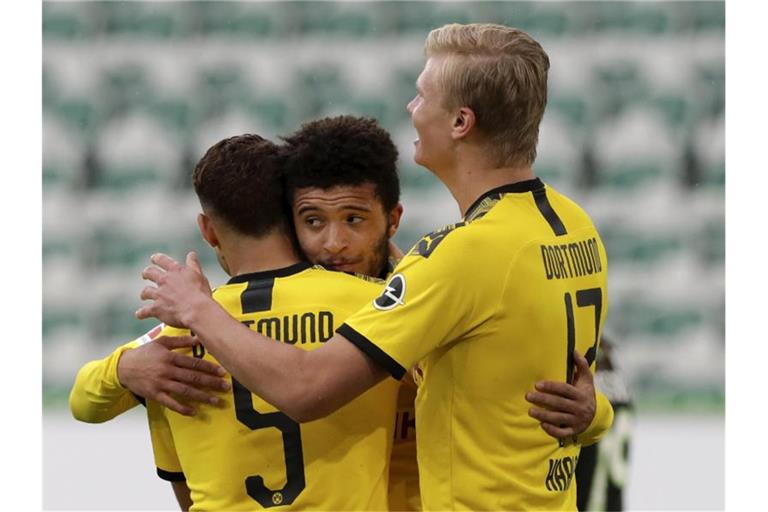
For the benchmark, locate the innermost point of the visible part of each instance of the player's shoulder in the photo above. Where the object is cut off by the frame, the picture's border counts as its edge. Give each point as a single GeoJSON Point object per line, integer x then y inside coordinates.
{"type": "Point", "coordinates": [157, 331]}
{"type": "Point", "coordinates": [572, 212]}
{"type": "Point", "coordinates": [338, 287]}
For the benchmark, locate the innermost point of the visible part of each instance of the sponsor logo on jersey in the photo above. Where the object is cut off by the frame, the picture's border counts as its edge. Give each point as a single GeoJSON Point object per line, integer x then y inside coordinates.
{"type": "Point", "coordinates": [152, 334]}
{"type": "Point", "coordinates": [393, 294]}
{"type": "Point", "coordinates": [576, 259]}
{"type": "Point", "coordinates": [309, 327]}
{"type": "Point", "coordinates": [560, 474]}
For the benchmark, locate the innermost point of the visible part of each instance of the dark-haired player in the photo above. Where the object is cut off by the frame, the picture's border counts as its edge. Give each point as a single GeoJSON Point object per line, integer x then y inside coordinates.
{"type": "Point", "coordinates": [487, 306]}
{"type": "Point", "coordinates": [242, 453]}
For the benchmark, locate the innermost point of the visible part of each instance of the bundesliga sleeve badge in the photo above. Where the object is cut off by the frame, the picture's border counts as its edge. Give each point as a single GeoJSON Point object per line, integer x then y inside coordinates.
{"type": "Point", "coordinates": [149, 336]}
{"type": "Point", "coordinates": [392, 295]}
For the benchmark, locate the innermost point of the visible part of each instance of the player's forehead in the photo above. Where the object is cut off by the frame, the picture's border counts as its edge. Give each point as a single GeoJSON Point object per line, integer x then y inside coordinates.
{"type": "Point", "coordinates": [338, 198]}
{"type": "Point", "coordinates": [426, 80]}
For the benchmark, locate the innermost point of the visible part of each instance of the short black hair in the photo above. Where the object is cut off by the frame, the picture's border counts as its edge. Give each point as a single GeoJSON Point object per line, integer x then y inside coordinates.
{"type": "Point", "coordinates": [342, 151]}
{"type": "Point", "coordinates": [239, 180]}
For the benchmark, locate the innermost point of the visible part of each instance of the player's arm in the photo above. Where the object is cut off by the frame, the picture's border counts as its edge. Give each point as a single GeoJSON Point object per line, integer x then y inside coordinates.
{"type": "Point", "coordinates": [567, 410]}
{"type": "Point", "coordinates": [156, 372]}
{"type": "Point", "coordinates": [97, 395]}
{"type": "Point", "coordinates": [183, 496]}
{"type": "Point", "coordinates": [305, 385]}
{"type": "Point", "coordinates": [108, 387]}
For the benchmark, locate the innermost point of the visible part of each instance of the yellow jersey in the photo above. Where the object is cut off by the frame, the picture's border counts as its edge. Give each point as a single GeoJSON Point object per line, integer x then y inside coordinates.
{"type": "Point", "coordinates": [403, 467]}
{"type": "Point", "coordinates": [244, 454]}
{"type": "Point", "coordinates": [487, 307]}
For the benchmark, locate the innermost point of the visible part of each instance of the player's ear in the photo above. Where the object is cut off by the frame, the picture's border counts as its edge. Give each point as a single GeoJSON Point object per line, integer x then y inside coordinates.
{"type": "Point", "coordinates": [463, 123]}
{"type": "Point", "coordinates": [393, 219]}
{"type": "Point", "coordinates": [207, 230]}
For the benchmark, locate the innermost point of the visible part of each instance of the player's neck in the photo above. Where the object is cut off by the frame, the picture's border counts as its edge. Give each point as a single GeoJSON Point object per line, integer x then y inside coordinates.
{"type": "Point", "coordinates": [245, 255]}
{"type": "Point", "coordinates": [472, 178]}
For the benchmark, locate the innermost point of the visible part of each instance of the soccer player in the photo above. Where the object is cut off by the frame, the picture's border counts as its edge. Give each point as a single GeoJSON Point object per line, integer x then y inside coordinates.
{"type": "Point", "coordinates": [243, 453]}
{"type": "Point", "coordinates": [487, 306]}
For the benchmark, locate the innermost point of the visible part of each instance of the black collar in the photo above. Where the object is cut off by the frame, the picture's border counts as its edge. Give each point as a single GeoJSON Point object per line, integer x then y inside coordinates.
{"type": "Point", "coordinates": [517, 187]}
{"type": "Point", "coordinates": [271, 274]}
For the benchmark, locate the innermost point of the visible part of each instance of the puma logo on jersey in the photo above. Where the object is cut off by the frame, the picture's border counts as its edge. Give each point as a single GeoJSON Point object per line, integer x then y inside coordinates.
{"type": "Point", "coordinates": [561, 473]}
{"type": "Point", "coordinates": [429, 242]}
{"type": "Point", "coordinates": [393, 294]}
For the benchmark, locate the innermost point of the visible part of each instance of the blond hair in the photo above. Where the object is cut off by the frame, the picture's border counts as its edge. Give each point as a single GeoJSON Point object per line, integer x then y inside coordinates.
{"type": "Point", "coordinates": [501, 74]}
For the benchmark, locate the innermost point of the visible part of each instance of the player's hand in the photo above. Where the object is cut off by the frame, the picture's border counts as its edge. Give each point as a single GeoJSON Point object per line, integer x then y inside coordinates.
{"type": "Point", "coordinates": [565, 410]}
{"type": "Point", "coordinates": [180, 288]}
{"type": "Point", "coordinates": [155, 372]}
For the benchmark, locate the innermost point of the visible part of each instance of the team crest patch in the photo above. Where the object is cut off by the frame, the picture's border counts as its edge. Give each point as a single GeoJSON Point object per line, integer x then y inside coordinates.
{"type": "Point", "coordinates": [393, 294]}
{"type": "Point", "coordinates": [151, 334]}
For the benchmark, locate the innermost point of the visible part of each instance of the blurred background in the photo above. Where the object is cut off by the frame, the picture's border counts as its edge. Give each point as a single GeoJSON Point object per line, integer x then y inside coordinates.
{"type": "Point", "coordinates": [135, 92]}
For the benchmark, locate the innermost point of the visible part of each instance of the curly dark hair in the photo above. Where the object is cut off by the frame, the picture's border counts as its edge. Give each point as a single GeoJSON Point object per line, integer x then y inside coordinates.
{"type": "Point", "coordinates": [340, 151]}
{"type": "Point", "coordinates": [239, 180]}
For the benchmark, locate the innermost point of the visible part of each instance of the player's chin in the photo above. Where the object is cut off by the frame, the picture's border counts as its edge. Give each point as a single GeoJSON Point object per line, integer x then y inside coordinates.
{"type": "Point", "coordinates": [344, 267]}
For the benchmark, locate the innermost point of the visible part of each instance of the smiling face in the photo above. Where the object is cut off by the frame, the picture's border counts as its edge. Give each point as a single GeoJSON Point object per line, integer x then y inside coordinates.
{"type": "Point", "coordinates": [345, 227]}
{"type": "Point", "coordinates": [432, 122]}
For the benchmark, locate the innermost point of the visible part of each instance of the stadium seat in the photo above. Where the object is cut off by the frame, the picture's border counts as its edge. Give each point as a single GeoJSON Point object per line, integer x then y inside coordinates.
{"type": "Point", "coordinates": [320, 88]}
{"type": "Point", "coordinates": [571, 107]}
{"type": "Point", "coordinates": [709, 145]}
{"type": "Point", "coordinates": [141, 19]}
{"type": "Point", "coordinates": [421, 17]}
{"type": "Point", "coordinates": [240, 19]}
{"type": "Point", "coordinates": [273, 111]}
{"type": "Point", "coordinates": [636, 150]}
{"type": "Point", "coordinates": [66, 21]}
{"type": "Point", "coordinates": [558, 159]}
{"type": "Point", "coordinates": [81, 114]}
{"type": "Point", "coordinates": [335, 19]}
{"type": "Point", "coordinates": [63, 155]}
{"type": "Point", "coordinates": [136, 151]}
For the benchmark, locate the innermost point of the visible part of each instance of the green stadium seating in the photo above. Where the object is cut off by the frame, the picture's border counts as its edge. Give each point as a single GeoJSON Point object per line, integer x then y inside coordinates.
{"type": "Point", "coordinates": [115, 321]}
{"type": "Point", "coordinates": [659, 320]}
{"type": "Point", "coordinates": [241, 19]}
{"type": "Point", "coordinates": [337, 19]}
{"type": "Point", "coordinates": [413, 176]}
{"type": "Point", "coordinates": [81, 114]}
{"type": "Point", "coordinates": [57, 318]}
{"type": "Point", "coordinates": [69, 21]}
{"type": "Point", "coordinates": [647, 126]}
{"type": "Point", "coordinates": [149, 20]}
{"type": "Point", "coordinates": [625, 246]}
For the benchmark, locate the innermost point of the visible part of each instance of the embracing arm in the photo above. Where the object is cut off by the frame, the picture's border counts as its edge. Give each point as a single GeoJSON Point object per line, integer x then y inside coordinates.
{"type": "Point", "coordinates": [108, 387]}
{"type": "Point", "coordinates": [568, 410]}
{"type": "Point", "coordinates": [183, 495]}
{"type": "Point", "coordinates": [305, 385]}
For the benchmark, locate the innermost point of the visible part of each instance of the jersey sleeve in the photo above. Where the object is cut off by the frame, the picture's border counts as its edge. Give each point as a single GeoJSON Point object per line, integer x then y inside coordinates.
{"type": "Point", "coordinates": [601, 423]}
{"type": "Point", "coordinates": [97, 394]}
{"type": "Point", "coordinates": [164, 450]}
{"type": "Point", "coordinates": [427, 302]}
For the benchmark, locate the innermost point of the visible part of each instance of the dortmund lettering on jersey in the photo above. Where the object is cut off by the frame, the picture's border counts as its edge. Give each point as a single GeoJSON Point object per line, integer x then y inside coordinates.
{"type": "Point", "coordinates": [487, 310]}
{"type": "Point", "coordinates": [244, 454]}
